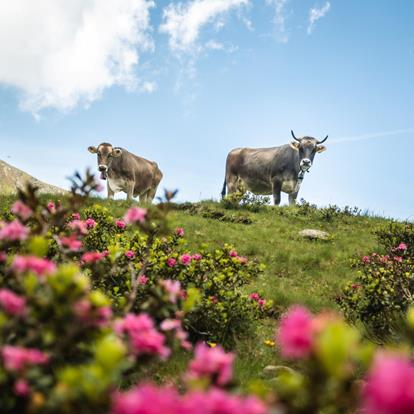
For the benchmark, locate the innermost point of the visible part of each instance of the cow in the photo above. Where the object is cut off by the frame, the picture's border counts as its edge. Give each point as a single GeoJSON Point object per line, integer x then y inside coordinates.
{"type": "Point", "coordinates": [127, 172]}
{"type": "Point", "coordinates": [269, 171]}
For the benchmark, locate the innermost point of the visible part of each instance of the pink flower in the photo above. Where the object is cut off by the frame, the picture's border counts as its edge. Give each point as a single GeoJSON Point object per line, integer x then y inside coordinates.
{"type": "Point", "coordinates": [366, 259]}
{"type": "Point", "coordinates": [120, 224]}
{"type": "Point", "coordinates": [21, 388]}
{"type": "Point", "coordinates": [384, 259]}
{"type": "Point", "coordinates": [13, 304]}
{"type": "Point", "coordinates": [51, 207]}
{"type": "Point", "coordinates": [197, 257]}
{"type": "Point", "coordinates": [355, 286]}
{"type": "Point", "coordinates": [295, 333]}
{"type": "Point", "coordinates": [129, 254]}
{"type": "Point", "coordinates": [398, 259]}
{"type": "Point", "coordinates": [37, 265]}
{"type": "Point", "coordinates": [142, 280]}
{"type": "Point", "coordinates": [233, 253]}
{"type": "Point", "coordinates": [173, 287]}
{"type": "Point", "coordinates": [71, 243]}
{"type": "Point", "coordinates": [179, 231]}
{"type": "Point", "coordinates": [92, 257]}
{"type": "Point", "coordinates": [22, 210]}
{"type": "Point", "coordinates": [79, 226]}
{"type": "Point", "coordinates": [212, 363]}
{"type": "Point", "coordinates": [17, 358]}
{"type": "Point", "coordinates": [185, 259]}
{"type": "Point", "coordinates": [142, 335]}
{"type": "Point", "coordinates": [90, 223]}
{"type": "Point", "coordinates": [3, 257]}
{"type": "Point", "coordinates": [135, 214]}
{"type": "Point", "coordinates": [92, 317]}
{"type": "Point", "coordinates": [76, 216]}
{"type": "Point", "coordinates": [171, 262]}
{"type": "Point", "coordinates": [261, 303]}
{"type": "Point", "coordinates": [254, 296]}
{"type": "Point", "coordinates": [390, 386]}
{"type": "Point", "coordinates": [14, 231]}
{"type": "Point", "coordinates": [180, 334]}
{"type": "Point", "coordinates": [402, 246]}
{"type": "Point", "coordinates": [241, 259]}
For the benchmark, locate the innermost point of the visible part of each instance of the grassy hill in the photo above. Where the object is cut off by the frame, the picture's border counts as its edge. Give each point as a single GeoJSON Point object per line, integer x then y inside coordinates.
{"type": "Point", "coordinates": [298, 270]}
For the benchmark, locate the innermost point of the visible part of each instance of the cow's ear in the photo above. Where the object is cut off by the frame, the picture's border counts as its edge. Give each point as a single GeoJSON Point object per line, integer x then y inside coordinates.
{"type": "Point", "coordinates": [295, 145]}
{"type": "Point", "coordinates": [92, 150]}
{"type": "Point", "coordinates": [116, 152]}
{"type": "Point", "coordinates": [320, 148]}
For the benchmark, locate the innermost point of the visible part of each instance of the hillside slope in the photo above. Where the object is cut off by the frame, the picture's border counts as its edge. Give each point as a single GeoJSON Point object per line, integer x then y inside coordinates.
{"type": "Point", "coordinates": [11, 178]}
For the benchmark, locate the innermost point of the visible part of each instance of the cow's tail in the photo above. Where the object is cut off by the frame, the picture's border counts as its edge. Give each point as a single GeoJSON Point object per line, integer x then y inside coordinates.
{"type": "Point", "coordinates": [223, 191]}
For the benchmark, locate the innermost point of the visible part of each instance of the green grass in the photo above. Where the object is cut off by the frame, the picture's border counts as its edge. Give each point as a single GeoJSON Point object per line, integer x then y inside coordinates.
{"type": "Point", "coordinates": [297, 270]}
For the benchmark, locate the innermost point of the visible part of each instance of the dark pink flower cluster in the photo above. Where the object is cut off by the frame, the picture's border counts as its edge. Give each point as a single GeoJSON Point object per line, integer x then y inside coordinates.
{"type": "Point", "coordinates": [148, 399]}
{"type": "Point", "coordinates": [173, 288]}
{"type": "Point", "coordinates": [171, 262]}
{"type": "Point", "coordinates": [129, 254]}
{"type": "Point", "coordinates": [37, 265]}
{"type": "Point", "coordinates": [258, 299]}
{"type": "Point", "coordinates": [90, 223]}
{"type": "Point", "coordinates": [89, 315]}
{"type": "Point", "coordinates": [295, 335]}
{"type": "Point", "coordinates": [13, 231]}
{"type": "Point", "coordinates": [120, 224]}
{"type": "Point", "coordinates": [241, 259]}
{"type": "Point", "coordinates": [185, 259]}
{"type": "Point", "coordinates": [13, 304]}
{"type": "Point", "coordinates": [93, 257]}
{"type": "Point", "coordinates": [174, 325]}
{"type": "Point", "coordinates": [71, 243]}
{"type": "Point", "coordinates": [17, 358]}
{"type": "Point", "coordinates": [143, 338]}
{"type": "Point", "coordinates": [179, 231]}
{"type": "Point", "coordinates": [390, 386]}
{"type": "Point", "coordinates": [212, 363]}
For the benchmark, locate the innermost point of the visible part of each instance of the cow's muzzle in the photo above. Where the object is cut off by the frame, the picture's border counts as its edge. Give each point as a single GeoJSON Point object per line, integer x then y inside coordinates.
{"type": "Point", "coordinates": [305, 164]}
{"type": "Point", "coordinates": [102, 168]}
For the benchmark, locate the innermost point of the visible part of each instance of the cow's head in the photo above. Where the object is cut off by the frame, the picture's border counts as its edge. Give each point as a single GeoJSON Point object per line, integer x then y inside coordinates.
{"type": "Point", "coordinates": [307, 147]}
{"type": "Point", "coordinates": [106, 153]}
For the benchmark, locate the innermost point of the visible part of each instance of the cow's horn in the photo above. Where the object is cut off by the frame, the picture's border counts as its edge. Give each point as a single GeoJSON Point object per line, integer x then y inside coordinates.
{"type": "Point", "coordinates": [293, 135]}
{"type": "Point", "coordinates": [321, 142]}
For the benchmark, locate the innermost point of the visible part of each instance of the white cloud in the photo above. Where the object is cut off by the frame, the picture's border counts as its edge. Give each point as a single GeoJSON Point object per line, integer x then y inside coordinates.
{"type": "Point", "coordinates": [317, 13]}
{"type": "Point", "coordinates": [183, 22]}
{"type": "Point", "coordinates": [280, 18]}
{"type": "Point", "coordinates": [62, 53]}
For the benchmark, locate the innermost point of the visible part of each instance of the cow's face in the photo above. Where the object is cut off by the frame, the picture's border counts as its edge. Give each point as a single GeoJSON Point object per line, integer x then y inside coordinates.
{"type": "Point", "coordinates": [106, 153]}
{"type": "Point", "coordinates": [307, 147]}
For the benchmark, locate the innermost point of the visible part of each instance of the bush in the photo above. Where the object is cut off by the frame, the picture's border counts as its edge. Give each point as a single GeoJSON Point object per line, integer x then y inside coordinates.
{"type": "Point", "coordinates": [384, 285]}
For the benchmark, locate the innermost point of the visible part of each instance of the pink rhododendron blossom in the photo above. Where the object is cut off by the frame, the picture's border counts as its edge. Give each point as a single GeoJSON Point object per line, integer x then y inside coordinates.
{"type": "Point", "coordinates": [384, 259]}
{"type": "Point", "coordinates": [135, 214]}
{"type": "Point", "coordinates": [173, 287]}
{"type": "Point", "coordinates": [37, 265]}
{"type": "Point", "coordinates": [171, 262]}
{"type": "Point", "coordinates": [148, 399]}
{"type": "Point", "coordinates": [179, 231]}
{"type": "Point", "coordinates": [261, 302]}
{"type": "Point", "coordinates": [295, 333]}
{"type": "Point", "coordinates": [72, 243]}
{"type": "Point", "coordinates": [366, 259]}
{"type": "Point", "coordinates": [213, 363]}
{"type": "Point", "coordinates": [390, 386]}
{"type": "Point", "coordinates": [90, 223]}
{"type": "Point", "coordinates": [3, 257]}
{"type": "Point", "coordinates": [14, 231]}
{"type": "Point", "coordinates": [180, 334]}
{"type": "Point", "coordinates": [17, 358]}
{"type": "Point", "coordinates": [130, 254]}
{"type": "Point", "coordinates": [120, 224]}
{"type": "Point", "coordinates": [144, 339]}
{"type": "Point", "coordinates": [197, 257]}
{"type": "Point", "coordinates": [398, 259]}
{"type": "Point", "coordinates": [254, 296]}
{"type": "Point", "coordinates": [103, 316]}
{"type": "Point", "coordinates": [51, 207]}
{"type": "Point", "coordinates": [82, 309]}
{"type": "Point", "coordinates": [402, 246]}
{"type": "Point", "coordinates": [92, 257]}
{"type": "Point", "coordinates": [79, 225]}
{"type": "Point", "coordinates": [76, 216]}
{"type": "Point", "coordinates": [22, 210]}
{"type": "Point", "coordinates": [13, 304]}
{"type": "Point", "coordinates": [142, 280]}
{"type": "Point", "coordinates": [185, 259]}
{"type": "Point", "coordinates": [241, 259]}
{"type": "Point", "coordinates": [21, 388]}
{"type": "Point", "coordinates": [233, 253]}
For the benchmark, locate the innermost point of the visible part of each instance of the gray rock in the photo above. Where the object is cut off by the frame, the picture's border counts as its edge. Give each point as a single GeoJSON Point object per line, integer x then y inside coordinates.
{"type": "Point", "coordinates": [312, 234]}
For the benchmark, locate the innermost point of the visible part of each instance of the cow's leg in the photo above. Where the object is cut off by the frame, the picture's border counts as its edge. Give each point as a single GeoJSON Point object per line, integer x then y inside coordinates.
{"type": "Point", "coordinates": [143, 198]}
{"type": "Point", "coordinates": [151, 194]}
{"type": "Point", "coordinates": [110, 192]}
{"type": "Point", "coordinates": [277, 188]}
{"type": "Point", "coordinates": [292, 198]}
{"type": "Point", "coordinates": [130, 190]}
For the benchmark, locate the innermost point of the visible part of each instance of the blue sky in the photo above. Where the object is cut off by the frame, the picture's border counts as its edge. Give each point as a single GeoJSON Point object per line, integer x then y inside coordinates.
{"type": "Point", "coordinates": [183, 83]}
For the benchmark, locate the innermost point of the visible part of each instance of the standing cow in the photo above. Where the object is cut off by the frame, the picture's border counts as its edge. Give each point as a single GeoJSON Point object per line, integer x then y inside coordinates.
{"type": "Point", "coordinates": [127, 172]}
{"type": "Point", "coordinates": [271, 170]}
